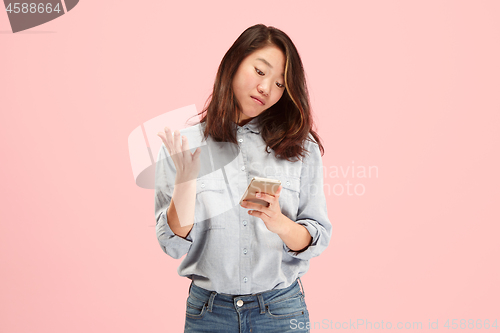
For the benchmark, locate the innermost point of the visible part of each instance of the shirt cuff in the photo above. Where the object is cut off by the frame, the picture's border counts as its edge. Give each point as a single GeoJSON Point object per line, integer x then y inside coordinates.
{"type": "Point", "coordinates": [172, 244]}
{"type": "Point", "coordinates": [307, 253]}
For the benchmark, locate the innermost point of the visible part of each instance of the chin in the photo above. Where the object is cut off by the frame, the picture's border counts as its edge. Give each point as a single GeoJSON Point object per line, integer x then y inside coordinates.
{"type": "Point", "coordinates": [254, 113]}
{"type": "Point", "coordinates": [250, 114]}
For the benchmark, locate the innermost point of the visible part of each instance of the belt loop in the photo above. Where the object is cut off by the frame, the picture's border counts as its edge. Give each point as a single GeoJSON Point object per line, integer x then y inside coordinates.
{"type": "Point", "coordinates": [261, 304]}
{"type": "Point", "coordinates": [303, 292]}
{"type": "Point", "coordinates": [211, 301]}
{"type": "Point", "coordinates": [190, 285]}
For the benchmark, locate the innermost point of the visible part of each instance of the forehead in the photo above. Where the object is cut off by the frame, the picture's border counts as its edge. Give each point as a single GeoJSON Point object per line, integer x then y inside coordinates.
{"type": "Point", "coordinates": [270, 54]}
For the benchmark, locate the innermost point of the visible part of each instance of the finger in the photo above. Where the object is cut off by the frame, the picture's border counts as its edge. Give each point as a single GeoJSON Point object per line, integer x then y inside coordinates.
{"type": "Point", "coordinates": [185, 143]}
{"type": "Point", "coordinates": [178, 143]}
{"type": "Point", "coordinates": [266, 197]}
{"type": "Point", "coordinates": [260, 215]}
{"type": "Point", "coordinates": [167, 132]}
{"type": "Point", "coordinates": [254, 213]}
{"type": "Point", "coordinates": [253, 205]}
{"type": "Point", "coordinates": [278, 192]}
{"type": "Point", "coordinates": [167, 139]}
{"type": "Point", "coordinates": [163, 138]}
{"type": "Point", "coordinates": [263, 196]}
{"type": "Point", "coordinates": [173, 150]}
{"type": "Point", "coordinates": [185, 149]}
{"type": "Point", "coordinates": [197, 153]}
{"type": "Point", "coordinates": [249, 204]}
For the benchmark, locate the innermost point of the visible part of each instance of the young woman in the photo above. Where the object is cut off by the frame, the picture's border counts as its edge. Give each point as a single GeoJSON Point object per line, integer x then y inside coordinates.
{"type": "Point", "coordinates": [245, 261]}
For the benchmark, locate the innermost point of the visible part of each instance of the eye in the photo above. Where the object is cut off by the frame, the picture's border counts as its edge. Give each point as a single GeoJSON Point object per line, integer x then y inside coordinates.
{"type": "Point", "coordinates": [280, 85]}
{"type": "Point", "coordinates": [259, 71]}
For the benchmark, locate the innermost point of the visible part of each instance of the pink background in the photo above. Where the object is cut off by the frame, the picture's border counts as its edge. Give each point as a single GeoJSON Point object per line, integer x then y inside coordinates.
{"type": "Point", "coordinates": [409, 87]}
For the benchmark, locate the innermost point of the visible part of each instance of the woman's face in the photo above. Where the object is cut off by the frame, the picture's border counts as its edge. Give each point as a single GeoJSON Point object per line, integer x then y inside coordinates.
{"type": "Point", "coordinates": [259, 82]}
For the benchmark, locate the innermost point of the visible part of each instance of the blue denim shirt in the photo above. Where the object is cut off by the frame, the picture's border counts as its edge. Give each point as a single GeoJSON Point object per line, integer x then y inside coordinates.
{"type": "Point", "coordinates": [228, 250]}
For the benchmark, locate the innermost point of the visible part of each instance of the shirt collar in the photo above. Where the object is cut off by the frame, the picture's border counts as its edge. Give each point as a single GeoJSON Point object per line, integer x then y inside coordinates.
{"type": "Point", "coordinates": [253, 125]}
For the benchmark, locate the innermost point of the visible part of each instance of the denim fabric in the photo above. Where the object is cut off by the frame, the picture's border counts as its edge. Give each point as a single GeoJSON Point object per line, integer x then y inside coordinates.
{"type": "Point", "coordinates": [269, 312]}
{"type": "Point", "coordinates": [228, 250]}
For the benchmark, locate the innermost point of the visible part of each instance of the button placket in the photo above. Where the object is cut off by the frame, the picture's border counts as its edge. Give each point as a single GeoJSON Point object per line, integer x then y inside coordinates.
{"type": "Point", "coordinates": [245, 233]}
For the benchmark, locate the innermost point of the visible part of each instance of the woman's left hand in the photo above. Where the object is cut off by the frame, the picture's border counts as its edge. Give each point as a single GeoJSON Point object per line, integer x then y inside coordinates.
{"type": "Point", "coordinates": [274, 220]}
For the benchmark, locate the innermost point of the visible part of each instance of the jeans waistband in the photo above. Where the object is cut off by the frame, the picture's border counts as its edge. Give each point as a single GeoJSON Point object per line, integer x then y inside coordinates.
{"type": "Point", "coordinates": [245, 301]}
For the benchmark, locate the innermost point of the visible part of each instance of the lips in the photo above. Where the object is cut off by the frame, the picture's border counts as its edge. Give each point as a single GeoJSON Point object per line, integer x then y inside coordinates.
{"type": "Point", "coordinates": [261, 102]}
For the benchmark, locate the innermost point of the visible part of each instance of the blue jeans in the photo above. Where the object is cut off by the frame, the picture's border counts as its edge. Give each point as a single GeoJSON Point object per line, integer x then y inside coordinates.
{"type": "Point", "coordinates": [278, 310]}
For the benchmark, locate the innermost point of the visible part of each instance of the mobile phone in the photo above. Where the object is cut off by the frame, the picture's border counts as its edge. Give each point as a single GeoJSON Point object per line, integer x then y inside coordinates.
{"type": "Point", "coordinates": [259, 184]}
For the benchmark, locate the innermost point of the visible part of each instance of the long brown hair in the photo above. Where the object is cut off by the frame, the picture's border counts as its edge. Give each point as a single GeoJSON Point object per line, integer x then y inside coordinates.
{"type": "Point", "coordinates": [285, 125]}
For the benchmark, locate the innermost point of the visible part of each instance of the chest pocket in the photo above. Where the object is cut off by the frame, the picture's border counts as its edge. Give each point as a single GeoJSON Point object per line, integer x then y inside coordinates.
{"type": "Point", "coordinates": [289, 198]}
{"type": "Point", "coordinates": [212, 201]}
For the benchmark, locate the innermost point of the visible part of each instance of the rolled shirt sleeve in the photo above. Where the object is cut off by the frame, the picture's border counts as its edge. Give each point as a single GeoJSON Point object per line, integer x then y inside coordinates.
{"type": "Point", "coordinates": [172, 244]}
{"type": "Point", "coordinates": [312, 211]}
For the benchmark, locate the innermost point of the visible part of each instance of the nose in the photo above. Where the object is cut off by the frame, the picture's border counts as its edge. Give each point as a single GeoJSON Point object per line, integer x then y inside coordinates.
{"type": "Point", "coordinates": [264, 87]}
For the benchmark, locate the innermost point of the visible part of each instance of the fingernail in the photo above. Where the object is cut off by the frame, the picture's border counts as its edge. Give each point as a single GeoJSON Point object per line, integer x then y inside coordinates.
{"type": "Point", "coordinates": [258, 195]}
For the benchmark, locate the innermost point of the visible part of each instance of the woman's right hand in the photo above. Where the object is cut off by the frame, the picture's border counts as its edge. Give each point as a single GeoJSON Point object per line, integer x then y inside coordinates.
{"type": "Point", "coordinates": [186, 163]}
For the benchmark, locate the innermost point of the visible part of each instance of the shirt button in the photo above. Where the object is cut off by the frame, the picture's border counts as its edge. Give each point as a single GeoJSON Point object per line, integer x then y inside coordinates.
{"type": "Point", "coordinates": [245, 251]}
{"type": "Point", "coordinates": [245, 222]}
{"type": "Point", "coordinates": [202, 184]}
{"type": "Point", "coordinates": [288, 183]}
{"type": "Point", "coordinates": [245, 279]}
{"type": "Point", "coordinates": [239, 303]}
{"type": "Point", "coordinates": [243, 168]}
{"type": "Point", "coordinates": [240, 140]}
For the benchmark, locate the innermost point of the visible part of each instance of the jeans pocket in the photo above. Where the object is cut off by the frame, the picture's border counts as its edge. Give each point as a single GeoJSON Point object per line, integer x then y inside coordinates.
{"type": "Point", "coordinates": [288, 308]}
{"type": "Point", "coordinates": [195, 308]}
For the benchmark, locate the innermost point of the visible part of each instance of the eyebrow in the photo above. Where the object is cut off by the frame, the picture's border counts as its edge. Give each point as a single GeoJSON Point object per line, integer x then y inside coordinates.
{"type": "Point", "coordinates": [267, 63]}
